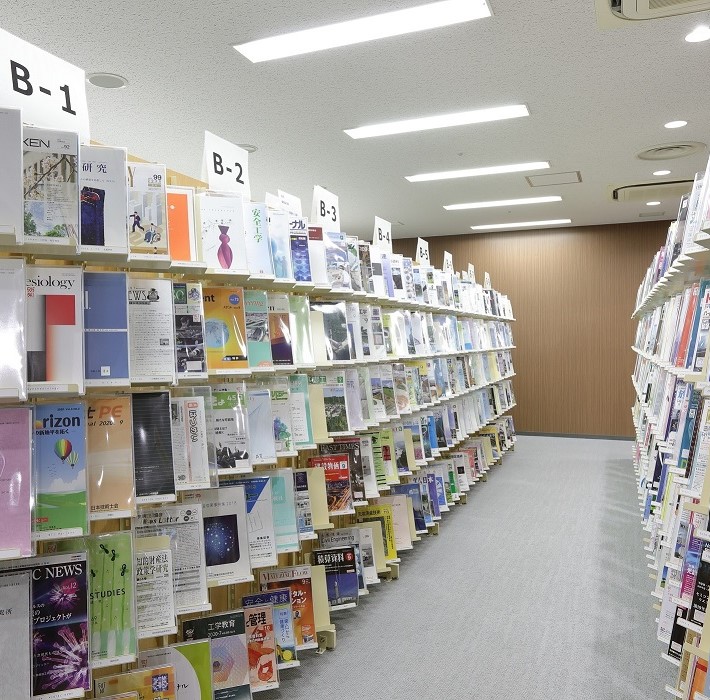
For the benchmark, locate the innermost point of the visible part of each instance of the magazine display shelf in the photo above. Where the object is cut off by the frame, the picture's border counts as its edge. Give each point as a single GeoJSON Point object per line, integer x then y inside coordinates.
{"type": "Point", "coordinates": [671, 416]}
{"type": "Point", "coordinates": [228, 597]}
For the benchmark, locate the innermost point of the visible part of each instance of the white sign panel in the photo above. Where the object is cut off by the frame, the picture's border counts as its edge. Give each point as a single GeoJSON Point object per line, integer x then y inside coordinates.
{"type": "Point", "coordinates": [487, 281]}
{"type": "Point", "coordinates": [50, 92]}
{"type": "Point", "coordinates": [382, 235]}
{"type": "Point", "coordinates": [422, 254]}
{"type": "Point", "coordinates": [326, 210]}
{"type": "Point", "coordinates": [448, 262]}
{"type": "Point", "coordinates": [291, 204]}
{"type": "Point", "coordinates": [471, 273]}
{"type": "Point", "coordinates": [226, 166]}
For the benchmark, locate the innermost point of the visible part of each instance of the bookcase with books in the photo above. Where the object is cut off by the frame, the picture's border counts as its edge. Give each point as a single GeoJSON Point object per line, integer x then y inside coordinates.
{"type": "Point", "coordinates": [671, 415]}
{"type": "Point", "coordinates": [219, 421]}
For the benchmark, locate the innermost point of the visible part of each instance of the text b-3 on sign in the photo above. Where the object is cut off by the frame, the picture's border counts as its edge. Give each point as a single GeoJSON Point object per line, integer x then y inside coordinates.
{"type": "Point", "coordinates": [50, 92]}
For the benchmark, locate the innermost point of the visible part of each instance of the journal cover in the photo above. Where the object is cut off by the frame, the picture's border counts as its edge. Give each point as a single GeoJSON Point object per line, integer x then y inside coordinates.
{"type": "Point", "coordinates": [280, 239]}
{"type": "Point", "coordinates": [303, 505]}
{"type": "Point", "coordinates": [155, 598]}
{"type": "Point", "coordinates": [340, 575]}
{"type": "Point", "coordinates": [110, 458]}
{"type": "Point", "coordinates": [351, 537]}
{"type": "Point", "coordinates": [60, 471]}
{"type": "Point", "coordinates": [152, 447]}
{"type": "Point", "coordinates": [50, 162]}
{"type": "Point", "coordinates": [280, 329]}
{"type": "Point", "coordinates": [354, 263]}
{"type": "Point", "coordinates": [256, 310]}
{"type": "Point", "coordinates": [300, 411]}
{"type": "Point", "coordinates": [261, 645]}
{"type": "Point", "coordinates": [189, 330]}
{"type": "Point", "coordinates": [15, 643]}
{"type": "Point", "coordinates": [151, 684]}
{"type": "Point", "coordinates": [349, 446]}
{"type": "Point", "coordinates": [192, 662]}
{"type": "Point", "coordinates": [280, 599]}
{"type": "Point", "coordinates": [13, 362]}
{"type": "Point", "coordinates": [337, 336]}
{"type": "Point", "coordinates": [365, 267]}
{"type": "Point", "coordinates": [337, 482]}
{"type": "Point", "coordinates": [55, 339]}
{"type": "Point", "coordinates": [413, 492]}
{"type": "Point", "coordinates": [230, 661]}
{"type": "Point", "coordinates": [11, 178]}
{"type": "Point", "coordinates": [261, 427]}
{"type": "Point", "coordinates": [147, 219]}
{"type": "Point", "coordinates": [189, 436]}
{"type": "Point", "coordinates": [300, 250]}
{"type": "Point", "coordinates": [106, 346]}
{"type": "Point", "coordinates": [283, 500]}
{"type": "Point", "coordinates": [231, 438]}
{"type": "Point", "coordinates": [316, 254]}
{"type": "Point", "coordinates": [103, 200]}
{"type": "Point", "coordinates": [336, 260]}
{"type": "Point", "coordinates": [222, 231]}
{"type": "Point", "coordinates": [224, 512]}
{"type": "Point", "coordinates": [298, 580]}
{"type": "Point", "coordinates": [152, 330]}
{"type": "Point", "coordinates": [382, 514]}
{"type": "Point", "coordinates": [282, 416]}
{"type": "Point", "coordinates": [225, 329]}
{"type": "Point", "coordinates": [181, 224]}
{"type": "Point", "coordinates": [301, 335]}
{"type": "Point", "coordinates": [257, 238]}
{"type": "Point", "coordinates": [15, 482]}
{"type": "Point", "coordinates": [336, 407]}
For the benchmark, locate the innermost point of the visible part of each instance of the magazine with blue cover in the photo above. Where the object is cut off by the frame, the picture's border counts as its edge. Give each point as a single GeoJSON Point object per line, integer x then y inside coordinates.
{"type": "Point", "coordinates": [340, 575]}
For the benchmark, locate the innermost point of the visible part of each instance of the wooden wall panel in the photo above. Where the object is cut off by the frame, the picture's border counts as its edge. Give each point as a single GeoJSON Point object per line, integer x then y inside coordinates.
{"type": "Point", "coordinates": [573, 292]}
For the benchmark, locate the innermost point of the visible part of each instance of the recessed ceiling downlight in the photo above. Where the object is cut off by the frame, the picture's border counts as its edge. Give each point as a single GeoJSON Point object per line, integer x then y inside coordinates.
{"type": "Point", "coordinates": [109, 81]}
{"type": "Point", "coordinates": [661, 173]}
{"type": "Point", "coordinates": [669, 151]}
{"type": "Point", "coordinates": [701, 33]}
{"type": "Point", "coordinates": [676, 124]}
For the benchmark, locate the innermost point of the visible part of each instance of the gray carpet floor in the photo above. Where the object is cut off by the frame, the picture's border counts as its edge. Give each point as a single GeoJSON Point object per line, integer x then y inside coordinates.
{"type": "Point", "coordinates": [536, 589]}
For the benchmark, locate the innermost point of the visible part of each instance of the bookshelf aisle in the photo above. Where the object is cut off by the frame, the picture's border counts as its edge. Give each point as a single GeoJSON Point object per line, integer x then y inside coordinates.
{"type": "Point", "coordinates": [671, 415]}
{"type": "Point", "coordinates": [220, 421]}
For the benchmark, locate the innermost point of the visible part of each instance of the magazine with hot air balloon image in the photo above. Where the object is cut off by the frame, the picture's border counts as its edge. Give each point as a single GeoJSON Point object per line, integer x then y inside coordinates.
{"type": "Point", "coordinates": [60, 470]}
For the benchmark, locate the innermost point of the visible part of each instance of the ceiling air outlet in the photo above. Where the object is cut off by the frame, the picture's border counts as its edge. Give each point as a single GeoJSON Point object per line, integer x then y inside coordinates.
{"type": "Point", "coordinates": [668, 151]}
{"type": "Point", "coordinates": [652, 9]}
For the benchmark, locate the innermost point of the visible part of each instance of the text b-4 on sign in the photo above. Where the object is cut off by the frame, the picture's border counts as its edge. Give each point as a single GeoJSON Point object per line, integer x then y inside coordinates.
{"type": "Point", "coordinates": [50, 92]}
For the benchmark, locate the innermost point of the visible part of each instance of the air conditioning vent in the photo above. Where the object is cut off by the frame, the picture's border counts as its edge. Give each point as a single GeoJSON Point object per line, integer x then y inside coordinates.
{"type": "Point", "coordinates": [652, 9]}
{"type": "Point", "coordinates": [651, 191]}
{"type": "Point", "coordinates": [669, 151]}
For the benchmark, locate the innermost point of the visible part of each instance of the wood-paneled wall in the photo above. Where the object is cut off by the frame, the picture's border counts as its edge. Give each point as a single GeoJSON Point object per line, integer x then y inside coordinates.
{"type": "Point", "coordinates": [573, 291]}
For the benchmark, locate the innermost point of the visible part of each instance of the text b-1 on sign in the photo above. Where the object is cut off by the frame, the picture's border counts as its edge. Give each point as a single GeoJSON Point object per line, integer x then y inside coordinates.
{"type": "Point", "coordinates": [50, 92]}
{"type": "Point", "coordinates": [225, 166]}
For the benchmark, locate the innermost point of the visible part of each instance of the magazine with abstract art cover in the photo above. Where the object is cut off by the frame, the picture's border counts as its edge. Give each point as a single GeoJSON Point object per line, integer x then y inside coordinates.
{"type": "Point", "coordinates": [221, 227]}
{"type": "Point", "coordinates": [192, 662]}
{"type": "Point", "coordinates": [300, 249]}
{"type": "Point", "coordinates": [284, 631]}
{"type": "Point", "coordinates": [261, 646]}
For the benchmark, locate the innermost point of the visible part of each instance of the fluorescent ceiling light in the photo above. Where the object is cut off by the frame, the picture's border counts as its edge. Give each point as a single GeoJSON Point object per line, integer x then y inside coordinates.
{"type": "Point", "coordinates": [701, 33]}
{"type": "Point", "coordinates": [524, 224]}
{"type": "Point", "coordinates": [477, 172]}
{"type": "Point", "coordinates": [675, 125]}
{"type": "Point", "coordinates": [406, 126]}
{"type": "Point", "coordinates": [504, 203]}
{"type": "Point", "coordinates": [413, 19]}
{"type": "Point", "coordinates": [652, 204]}
{"type": "Point", "coordinates": [660, 173]}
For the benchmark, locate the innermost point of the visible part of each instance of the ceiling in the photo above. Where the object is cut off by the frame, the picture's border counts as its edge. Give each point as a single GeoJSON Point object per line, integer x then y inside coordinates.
{"type": "Point", "coordinates": [596, 97]}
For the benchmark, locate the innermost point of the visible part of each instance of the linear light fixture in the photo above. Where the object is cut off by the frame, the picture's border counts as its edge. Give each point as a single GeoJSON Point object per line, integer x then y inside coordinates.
{"type": "Point", "coordinates": [356, 31]}
{"type": "Point", "coordinates": [441, 121]}
{"type": "Point", "coordinates": [524, 224]}
{"type": "Point", "coordinates": [504, 203]}
{"type": "Point", "coordinates": [478, 172]}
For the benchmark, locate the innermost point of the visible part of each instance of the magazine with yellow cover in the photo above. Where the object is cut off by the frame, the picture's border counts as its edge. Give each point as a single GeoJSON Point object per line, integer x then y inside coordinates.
{"type": "Point", "coordinates": [149, 684]}
{"type": "Point", "coordinates": [383, 514]}
{"type": "Point", "coordinates": [225, 329]}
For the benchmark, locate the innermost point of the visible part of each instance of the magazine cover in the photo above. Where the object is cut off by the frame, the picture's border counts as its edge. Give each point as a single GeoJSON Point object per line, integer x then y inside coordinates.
{"type": "Point", "coordinates": [304, 514]}
{"type": "Point", "coordinates": [337, 482]}
{"type": "Point", "coordinates": [256, 225]}
{"type": "Point", "coordinates": [229, 417]}
{"type": "Point", "coordinates": [365, 267]}
{"type": "Point", "coordinates": [298, 580]}
{"type": "Point", "coordinates": [400, 519]}
{"type": "Point", "coordinates": [13, 362]}
{"type": "Point", "coordinates": [54, 326]}
{"type": "Point", "coordinates": [401, 390]}
{"type": "Point", "coordinates": [316, 254]}
{"type": "Point", "coordinates": [261, 645]}
{"type": "Point", "coordinates": [401, 458]}
{"type": "Point", "coordinates": [354, 400]}
{"type": "Point", "coordinates": [336, 407]}
{"type": "Point", "coordinates": [152, 330]}
{"type": "Point", "coordinates": [181, 224]}
{"type": "Point", "coordinates": [189, 330]}
{"type": "Point", "coordinates": [300, 327]}
{"type": "Point", "coordinates": [60, 471]}
{"type": "Point", "coordinates": [50, 179]}
{"type": "Point", "coordinates": [336, 260]}
{"type": "Point", "coordinates": [147, 218]}
{"type": "Point", "coordinates": [377, 460]}
{"type": "Point", "coordinates": [184, 526]}
{"type": "Point", "coordinates": [300, 411]}
{"type": "Point", "coordinates": [192, 662]}
{"type": "Point", "coordinates": [337, 336]}
{"type": "Point", "coordinates": [282, 416]}
{"type": "Point", "coordinates": [354, 263]}
{"type": "Point", "coordinates": [280, 599]}
{"type": "Point", "coordinates": [349, 446]}
{"type": "Point", "coordinates": [368, 465]}
{"type": "Point", "coordinates": [364, 556]}
{"type": "Point", "coordinates": [225, 329]}
{"type": "Point", "coordinates": [261, 427]}
{"type": "Point", "coordinates": [383, 515]}
{"type": "Point", "coordinates": [151, 684]}
{"type": "Point", "coordinates": [59, 627]}
{"type": "Point", "coordinates": [378, 347]}
{"type": "Point", "coordinates": [378, 412]}
{"type": "Point", "coordinates": [15, 642]}
{"type": "Point", "coordinates": [11, 178]}
{"type": "Point", "coordinates": [387, 379]}
{"type": "Point", "coordinates": [15, 482]}
{"type": "Point", "coordinates": [283, 498]}
{"type": "Point", "coordinates": [387, 448]}
{"type": "Point", "coordinates": [109, 454]}
{"type": "Point", "coordinates": [260, 519]}
{"type": "Point", "coordinates": [300, 249]}
{"type": "Point", "coordinates": [152, 447]}
{"type": "Point", "coordinates": [155, 597]}
{"type": "Point", "coordinates": [340, 575]}
{"type": "Point", "coordinates": [191, 463]}
{"type": "Point", "coordinates": [106, 346]}
{"type": "Point", "coordinates": [224, 511]}
{"type": "Point", "coordinates": [103, 200]}
{"type": "Point", "coordinates": [256, 308]}
{"type": "Point", "coordinates": [230, 660]}
{"type": "Point", "coordinates": [280, 239]}
{"type": "Point", "coordinates": [280, 329]}
{"type": "Point", "coordinates": [222, 232]}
